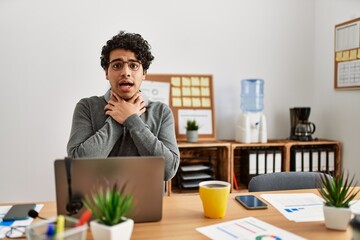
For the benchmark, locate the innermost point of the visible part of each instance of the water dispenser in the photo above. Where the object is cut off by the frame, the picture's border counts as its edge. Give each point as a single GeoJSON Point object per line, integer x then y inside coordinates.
{"type": "Point", "coordinates": [251, 122]}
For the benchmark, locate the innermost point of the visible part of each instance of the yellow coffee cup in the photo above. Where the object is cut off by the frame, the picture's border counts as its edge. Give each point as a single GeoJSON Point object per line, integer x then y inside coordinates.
{"type": "Point", "coordinates": [214, 196]}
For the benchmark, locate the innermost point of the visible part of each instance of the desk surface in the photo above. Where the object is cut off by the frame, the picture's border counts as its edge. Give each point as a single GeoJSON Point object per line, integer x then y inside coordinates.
{"type": "Point", "coordinates": [183, 213]}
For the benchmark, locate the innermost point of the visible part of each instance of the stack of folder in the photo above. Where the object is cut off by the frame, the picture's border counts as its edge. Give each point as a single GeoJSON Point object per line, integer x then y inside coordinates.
{"type": "Point", "coordinates": [259, 161]}
{"type": "Point", "coordinates": [312, 159]}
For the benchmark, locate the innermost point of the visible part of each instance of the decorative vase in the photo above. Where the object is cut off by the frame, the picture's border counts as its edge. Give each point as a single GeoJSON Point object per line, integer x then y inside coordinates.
{"type": "Point", "coordinates": [192, 135]}
{"type": "Point", "coordinates": [337, 218]}
{"type": "Point", "coordinates": [121, 231]}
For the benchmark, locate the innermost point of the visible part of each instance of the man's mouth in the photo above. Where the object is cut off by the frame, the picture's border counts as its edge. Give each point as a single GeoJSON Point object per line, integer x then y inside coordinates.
{"type": "Point", "coordinates": [128, 84]}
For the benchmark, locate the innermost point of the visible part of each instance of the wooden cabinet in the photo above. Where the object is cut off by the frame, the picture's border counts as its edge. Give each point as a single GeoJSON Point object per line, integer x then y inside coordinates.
{"type": "Point", "coordinates": [226, 159]}
{"type": "Point", "coordinates": [216, 153]}
{"type": "Point", "coordinates": [287, 149]}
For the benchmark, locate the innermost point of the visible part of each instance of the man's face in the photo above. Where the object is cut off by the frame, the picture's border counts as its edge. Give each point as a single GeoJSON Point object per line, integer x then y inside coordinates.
{"type": "Point", "coordinates": [125, 73]}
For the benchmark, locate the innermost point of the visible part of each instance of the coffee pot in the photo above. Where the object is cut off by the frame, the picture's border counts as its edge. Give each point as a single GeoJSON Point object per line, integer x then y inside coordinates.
{"type": "Point", "coordinates": [304, 129]}
{"type": "Point", "coordinates": [301, 128]}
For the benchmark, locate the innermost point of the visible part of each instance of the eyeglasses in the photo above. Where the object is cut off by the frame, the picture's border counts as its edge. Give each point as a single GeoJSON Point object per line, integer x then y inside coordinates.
{"type": "Point", "coordinates": [16, 232]}
{"type": "Point", "coordinates": [117, 64]}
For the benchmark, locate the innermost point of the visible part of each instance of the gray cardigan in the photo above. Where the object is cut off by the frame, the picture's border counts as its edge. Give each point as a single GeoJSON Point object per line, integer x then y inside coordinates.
{"type": "Point", "coordinates": [94, 134]}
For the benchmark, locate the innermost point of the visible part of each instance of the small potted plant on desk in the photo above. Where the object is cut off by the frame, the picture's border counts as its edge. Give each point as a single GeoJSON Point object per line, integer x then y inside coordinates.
{"type": "Point", "coordinates": [109, 206]}
{"type": "Point", "coordinates": [192, 130]}
{"type": "Point", "coordinates": [337, 193]}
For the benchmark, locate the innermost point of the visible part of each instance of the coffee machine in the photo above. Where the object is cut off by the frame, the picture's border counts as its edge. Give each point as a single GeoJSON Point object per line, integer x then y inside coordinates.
{"type": "Point", "coordinates": [301, 128]}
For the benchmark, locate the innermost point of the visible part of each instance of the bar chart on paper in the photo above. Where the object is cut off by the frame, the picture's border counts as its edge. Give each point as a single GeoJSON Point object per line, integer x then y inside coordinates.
{"type": "Point", "coordinates": [302, 207]}
{"type": "Point", "coordinates": [246, 228]}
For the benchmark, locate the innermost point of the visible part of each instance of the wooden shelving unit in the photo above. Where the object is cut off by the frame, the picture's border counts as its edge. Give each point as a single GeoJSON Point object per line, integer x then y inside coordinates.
{"type": "Point", "coordinates": [285, 146]}
{"type": "Point", "coordinates": [219, 153]}
{"type": "Point", "coordinates": [320, 142]}
{"type": "Point", "coordinates": [226, 161]}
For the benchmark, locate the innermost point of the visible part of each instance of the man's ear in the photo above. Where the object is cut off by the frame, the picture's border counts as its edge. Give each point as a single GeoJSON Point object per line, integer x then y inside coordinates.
{"type": "Point", "coordinates": [144, 75]}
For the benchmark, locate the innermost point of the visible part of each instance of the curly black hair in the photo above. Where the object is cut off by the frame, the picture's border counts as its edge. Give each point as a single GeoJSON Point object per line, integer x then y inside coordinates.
{"type": "Point", "coordinates": [127, 41]}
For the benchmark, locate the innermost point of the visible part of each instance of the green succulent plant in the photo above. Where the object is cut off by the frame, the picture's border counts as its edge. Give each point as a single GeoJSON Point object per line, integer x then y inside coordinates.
{"type": "Point", "coordinates": [338, 191]}
{"type": "Point", "coordinates": [191, 125]}
{"type": "Point", "coordinates": [109, 205]}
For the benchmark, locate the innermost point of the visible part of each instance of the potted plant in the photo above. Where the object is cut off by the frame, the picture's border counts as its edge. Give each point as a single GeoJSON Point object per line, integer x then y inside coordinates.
{"type": "Point", "coordinates": [192, 128]}
{"type": "Point", "coordinates": [110, 206]}
{"type": "Point", "coordinates": [337, 193]}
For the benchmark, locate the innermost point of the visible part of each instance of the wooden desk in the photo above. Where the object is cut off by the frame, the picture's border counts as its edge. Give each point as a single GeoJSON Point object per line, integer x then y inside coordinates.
{"type": "Point", "coordinates": [183, 213]}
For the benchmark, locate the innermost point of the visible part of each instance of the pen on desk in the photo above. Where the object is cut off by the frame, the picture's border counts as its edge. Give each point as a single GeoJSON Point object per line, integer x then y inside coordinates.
{"type": "Point", "coordinates": [50, 230]}
{"type": "Point", "coordinates": [60, 224]}
{"type": "Point", "coordinates": [84, 218]}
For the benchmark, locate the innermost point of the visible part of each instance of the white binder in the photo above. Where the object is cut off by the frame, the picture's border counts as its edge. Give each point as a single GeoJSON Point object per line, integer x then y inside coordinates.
{"type": "Point", "coordinates": [315, 160]}
{"type": "Point", "coordinates": [278, 159]}
{"type": "Point", "coordinates": [252, 163]}
{"type": "Point", "coordinates": [269, 161]}
{"type": "Point", "coordinates": [331, 160]}
{"type": "Point", "coordinates": [261, 162]}
{"type": "Point", "coordinates": [306, 161]}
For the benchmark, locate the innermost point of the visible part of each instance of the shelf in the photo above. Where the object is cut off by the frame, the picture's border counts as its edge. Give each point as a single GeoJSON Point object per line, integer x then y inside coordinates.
{"type": "Point", "coordinates": [285, 146]}
{"type": "Point", "coordinates": [224, 157]}
{"type": "Point", "coordinates": [215, 153]}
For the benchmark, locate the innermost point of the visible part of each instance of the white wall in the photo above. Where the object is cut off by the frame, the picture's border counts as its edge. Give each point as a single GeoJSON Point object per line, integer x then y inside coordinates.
{"type": "Point", "coordinates": [49, 59]}
{"type": "Point", "coordinates": [337, 112]}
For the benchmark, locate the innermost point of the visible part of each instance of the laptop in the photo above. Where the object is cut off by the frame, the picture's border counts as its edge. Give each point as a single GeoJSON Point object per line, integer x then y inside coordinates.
{"type": "Point", "coordinates": [144, 178]}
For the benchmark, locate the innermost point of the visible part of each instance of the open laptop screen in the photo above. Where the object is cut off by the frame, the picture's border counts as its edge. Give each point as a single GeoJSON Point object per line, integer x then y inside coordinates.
{"type": "Point", "coordinates": [143, 176]}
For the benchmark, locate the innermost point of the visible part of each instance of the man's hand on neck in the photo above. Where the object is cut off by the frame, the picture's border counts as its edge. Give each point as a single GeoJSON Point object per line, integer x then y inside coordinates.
{"type": "Point", "coordinates": [120, 109]}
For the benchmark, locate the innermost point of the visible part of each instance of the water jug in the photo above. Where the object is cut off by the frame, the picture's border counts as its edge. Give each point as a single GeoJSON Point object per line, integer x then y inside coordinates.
{"type": "Point", "coordinates": [252, 95]}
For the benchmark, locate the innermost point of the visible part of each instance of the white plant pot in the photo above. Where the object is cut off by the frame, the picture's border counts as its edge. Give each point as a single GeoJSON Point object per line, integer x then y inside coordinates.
{"type": "Point", "coordinates": [192, 135]}
{"type": "Point", "coordinates": [337, 218]}
{"type": "Point", "coordinates": [121, 231]}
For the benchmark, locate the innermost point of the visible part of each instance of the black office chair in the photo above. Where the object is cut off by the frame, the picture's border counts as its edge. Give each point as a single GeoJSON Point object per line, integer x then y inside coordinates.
{"type": "Point", "coordinates": [285, 181]}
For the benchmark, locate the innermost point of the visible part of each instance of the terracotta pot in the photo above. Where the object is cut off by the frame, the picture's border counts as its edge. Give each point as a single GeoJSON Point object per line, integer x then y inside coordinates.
{"type": "Point", "coordinates": [121, 231]}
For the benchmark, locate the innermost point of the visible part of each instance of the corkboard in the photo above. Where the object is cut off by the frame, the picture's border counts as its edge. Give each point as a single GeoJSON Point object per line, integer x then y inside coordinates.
{"type": "Point", "coordinates": [190, 97]}
{"type": "Point", "coordinates": [347, 55]}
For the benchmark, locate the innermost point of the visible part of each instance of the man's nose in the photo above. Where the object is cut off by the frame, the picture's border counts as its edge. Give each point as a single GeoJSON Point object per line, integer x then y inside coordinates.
{"type": "Point", "coordinates": [126, 71]}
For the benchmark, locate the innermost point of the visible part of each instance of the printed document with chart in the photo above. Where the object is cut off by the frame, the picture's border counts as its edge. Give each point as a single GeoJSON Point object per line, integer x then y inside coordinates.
{"type": "Point", "coordinates": [298, 207]}
{"type": "Point", "coordinates": [246, 228]}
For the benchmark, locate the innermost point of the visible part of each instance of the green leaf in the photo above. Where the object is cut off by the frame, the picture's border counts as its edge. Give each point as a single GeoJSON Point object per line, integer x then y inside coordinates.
{"type": "Point", "coordinates": [109, 205]}
{"type": "Point", "coordinates": [192, 125]}
{"type": "Point", "coordinates": [338, 191]}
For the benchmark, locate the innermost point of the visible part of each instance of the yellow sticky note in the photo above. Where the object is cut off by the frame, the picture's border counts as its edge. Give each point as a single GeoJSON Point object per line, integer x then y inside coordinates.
{"type": "Point", "coordinates": [205, 81]}
{"type": "Point", "coordinates": [195, 81]}
{"type": "Point", "coordinates": [205, 91]}
{"type": "Point", "coordinates": [338, 56]}
{"type": "Point", "coordinates": [176, 102]}
{"type": "Point", "coordinates": [175, 91]}
{"type": "Point", "coordinates": [175, 81]}
{"type": "Point", "coordinates": [186, 91]}
{"type": "Point", "coordinates": [358, 55]}
{"type": "Point", "coordinates": [195, 91]}
{"type": "Point", "coordinates": [186, 102]}
{"type": "Point", "coordinates": [346, 56]}
{"type": "Point", "coordinates": [353, 54]}
{"type": "Point", "coordinates": [205, 102]}
{"type": "Point", "coordinates": [186, 81]}
{"type": "Point", "coordinates": [196, 102]}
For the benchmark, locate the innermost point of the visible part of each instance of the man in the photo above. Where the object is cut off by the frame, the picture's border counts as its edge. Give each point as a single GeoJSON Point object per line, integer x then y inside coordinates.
{"type": "Point", "coordinates": [123, 122]}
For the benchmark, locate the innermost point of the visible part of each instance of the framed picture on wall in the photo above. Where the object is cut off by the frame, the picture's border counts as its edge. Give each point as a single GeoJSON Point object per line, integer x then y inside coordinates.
{"type": "Point", "coordinates": [347, 55]}
{"type": "Point", "coordinates": [190, 97]}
